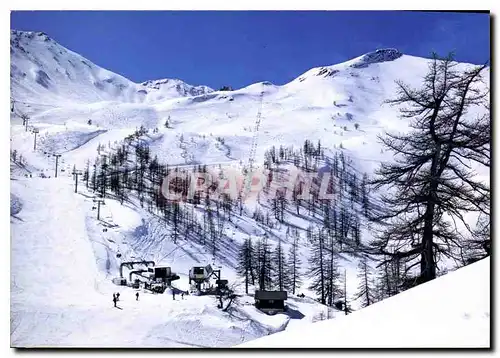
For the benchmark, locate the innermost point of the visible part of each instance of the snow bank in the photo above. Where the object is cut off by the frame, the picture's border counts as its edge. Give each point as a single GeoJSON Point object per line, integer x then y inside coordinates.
{"type": "Point", "coordinates": [451, 311]}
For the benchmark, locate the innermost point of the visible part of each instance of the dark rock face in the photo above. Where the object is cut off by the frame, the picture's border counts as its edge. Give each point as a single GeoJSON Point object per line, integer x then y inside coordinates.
{"type": "Point", "coordinates": [42, 79]}
{"type": "Point", "coordinates": [383, 55]}
{"type": "Point", "coordinates": [326, 72]}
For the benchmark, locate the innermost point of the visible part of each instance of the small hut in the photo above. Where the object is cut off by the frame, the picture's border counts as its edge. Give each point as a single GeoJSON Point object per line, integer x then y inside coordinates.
{"type": "Point", "coordinates": [270, 301]}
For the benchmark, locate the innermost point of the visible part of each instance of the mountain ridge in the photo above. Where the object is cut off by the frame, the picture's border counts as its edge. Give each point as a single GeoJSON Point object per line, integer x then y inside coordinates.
{"type": "Point", "coordinates": [154, 90]}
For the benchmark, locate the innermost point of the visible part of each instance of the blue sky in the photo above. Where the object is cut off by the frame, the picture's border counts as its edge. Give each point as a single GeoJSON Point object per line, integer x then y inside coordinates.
{"type": "Point", "coordinates": [240, 48]}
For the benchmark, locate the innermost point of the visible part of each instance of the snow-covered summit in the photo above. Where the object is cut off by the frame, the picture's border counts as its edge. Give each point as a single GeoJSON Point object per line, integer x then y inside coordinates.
{"type": "Point", "coordinates": [42, 69]}
{"type": "Point", "coordinates": [380, 56]}
{"type": "Point", "coordinates": [17, 35]}
{"type": "Point", "coordinates": [171, 88]}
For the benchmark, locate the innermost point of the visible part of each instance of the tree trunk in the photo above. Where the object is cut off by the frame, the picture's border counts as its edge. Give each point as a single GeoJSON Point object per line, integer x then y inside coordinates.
{"type": "Point", "coordinates": [246, 280]}
{"type": "Point", "coordinates": [427, 264]}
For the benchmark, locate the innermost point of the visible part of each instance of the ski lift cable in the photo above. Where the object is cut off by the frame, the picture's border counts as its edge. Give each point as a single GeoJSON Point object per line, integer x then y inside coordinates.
{"type": "Point", "coordinates": [253, 147]}
{"type": "Point", "coordinates": [34, 103]}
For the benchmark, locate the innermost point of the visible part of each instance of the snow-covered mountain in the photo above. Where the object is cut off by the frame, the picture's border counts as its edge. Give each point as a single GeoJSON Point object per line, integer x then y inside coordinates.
{"type": "Point", "coordinates": [43, 69]}
{"type": "Point", "coordinates": [61, 270]}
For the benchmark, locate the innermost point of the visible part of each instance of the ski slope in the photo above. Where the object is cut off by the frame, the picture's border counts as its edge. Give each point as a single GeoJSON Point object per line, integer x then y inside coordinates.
{"type": "Point", "coordinates": [452, 311]}
{"type": "Point", "coordinates": [62, 293]}
{"type": "Point", "coordinates": [63, 258]}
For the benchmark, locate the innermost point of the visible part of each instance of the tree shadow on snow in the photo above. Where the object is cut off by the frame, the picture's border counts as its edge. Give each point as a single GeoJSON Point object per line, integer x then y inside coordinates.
{"type": "Point", "coordinates": [293, 314]}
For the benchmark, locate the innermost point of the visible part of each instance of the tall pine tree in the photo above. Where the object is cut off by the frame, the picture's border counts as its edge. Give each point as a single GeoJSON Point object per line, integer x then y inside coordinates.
{"type": "Point", "coordinates": [365, 289]}
{"type": "Point", "coordinates": [246, 262]}
{"type": "Point", "coordinates": [294, 264]}
{"type": "Point", "coordinates": [431, 183]}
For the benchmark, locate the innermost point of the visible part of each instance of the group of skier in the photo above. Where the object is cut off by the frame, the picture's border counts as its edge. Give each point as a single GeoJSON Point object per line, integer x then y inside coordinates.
{"type": "Point", "coordinates": [116, 296]}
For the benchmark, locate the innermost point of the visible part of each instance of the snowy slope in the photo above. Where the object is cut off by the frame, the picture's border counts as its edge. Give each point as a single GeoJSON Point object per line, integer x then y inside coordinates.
{"type": "Point", "coordinates": [452, 311]}
{"type": "Point", "coordinates": [63, 261]}
{"type": "Point", "coordinates": [61, 289]}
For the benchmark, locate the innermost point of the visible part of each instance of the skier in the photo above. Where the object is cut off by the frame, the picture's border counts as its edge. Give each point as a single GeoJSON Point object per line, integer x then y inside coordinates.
{"type": "Point", "coordinates": [114, 299]}
{"type": "Point", "coordinates": [173, 294]}
{"type": "Point", "coordinates": [182, 295]}
{"type": "Point", "coordinates": [137, 296]}
{"type": "Point", "coordinates": [118, 296]}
